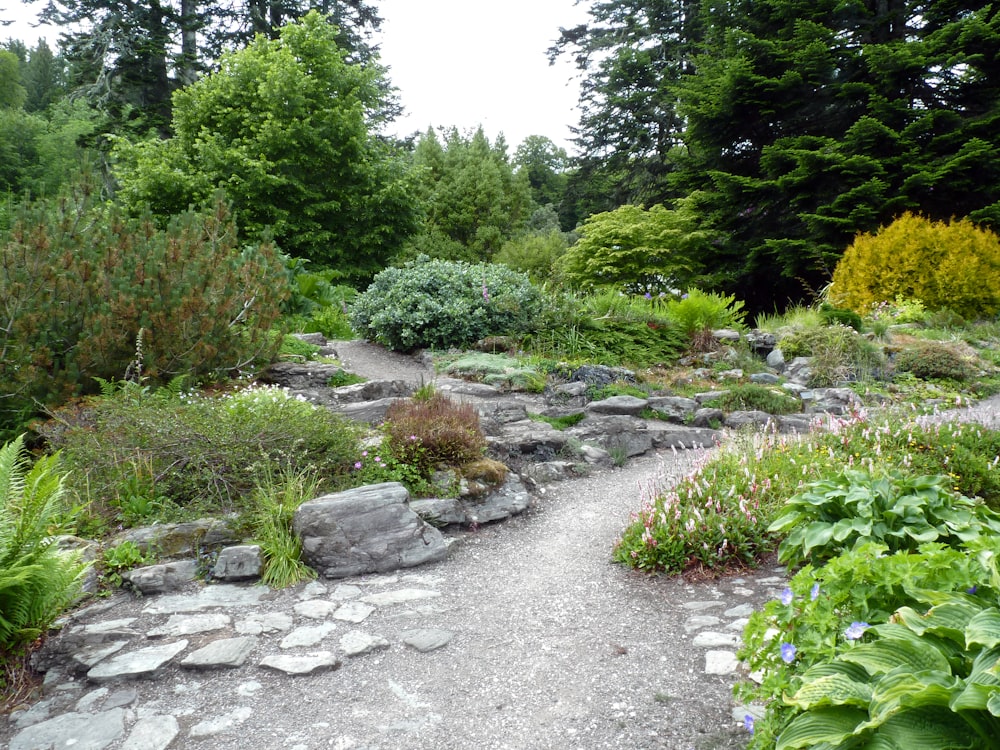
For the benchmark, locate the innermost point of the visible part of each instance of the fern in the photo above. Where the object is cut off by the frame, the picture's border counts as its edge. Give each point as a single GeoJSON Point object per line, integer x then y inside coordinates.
{"type": "Point", "coordinates": [37, 579]}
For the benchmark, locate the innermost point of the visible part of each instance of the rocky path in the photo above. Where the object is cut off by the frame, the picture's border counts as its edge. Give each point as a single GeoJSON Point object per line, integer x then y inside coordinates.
{"type": "Point", "coordinates": [525, 637]}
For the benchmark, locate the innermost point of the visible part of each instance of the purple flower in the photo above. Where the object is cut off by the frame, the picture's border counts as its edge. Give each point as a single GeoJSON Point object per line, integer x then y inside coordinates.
{"type": "Point", "coordinates": [647, 295]}
{"type": "Point", "coordinates": [486, 293]}
{"type": "Point", "coordinates": [972, 589]}
{"type": "Point", "coordinates": [855, 630]}
{"type": "Point", "coordinates": [357, 464]}
{"type": "Point", "coordinates": [748, 723]}
{"type": "Point", "coordinates": [788, 652]}
{"type": "Point", "coordinates": [786, 596]}
{"type": "Point", "coordinates": [814, 592]}
{"type": "Point", "coordinates": [685, 295]}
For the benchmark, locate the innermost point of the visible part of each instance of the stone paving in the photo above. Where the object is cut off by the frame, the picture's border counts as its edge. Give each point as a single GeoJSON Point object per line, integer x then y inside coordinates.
{"type": "Point", "coordinates": [103, 664]}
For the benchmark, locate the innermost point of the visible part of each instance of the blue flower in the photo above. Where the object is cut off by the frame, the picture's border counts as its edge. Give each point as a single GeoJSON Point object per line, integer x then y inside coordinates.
{"type": "Point", "coordinates": [786, 596]}
{"type": "Point", "coordinates": [855, 630]}
{"type": "Point", "coordinates": [972, 589]}
{"type": "Point", "coordinates": [814, 592]}
{"type": "Point", "coordinates": [788, 652]}
{"type": "Point", "coordinates": [748, 723]}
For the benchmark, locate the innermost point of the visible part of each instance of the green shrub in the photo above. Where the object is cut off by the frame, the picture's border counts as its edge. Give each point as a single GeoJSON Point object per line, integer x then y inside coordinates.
{"type": "Point", "coordinates": [954, 265]}
{"type": "Point", "coordinates": [534, 254]}
{"type": "Point", "coordinates": [121, 558]}
{"type": "Point", "coordinates": [433, 432]}
{"type": "Point", "coordinates": [754, 397]}
{"type": "Point", "coordinates": [934, 359]}
{"type": "Point", "coordinates": [295, 349]}
{"type": "Point", "coordinates": [560, 423]}
{"type": "Point", "coordinates": [831, 315]}
{"type": "Point", "coordinates": [839, 353]}
{"type": "Point", "coordinates": [147, 303]}
{"type": "Point", "coordinates": [439, 304]}
{"type": "Point", "coordinates": [37, 579]}
{"type": "Point", "coordinates": [205, 454]}
{"type": "Point", "coordinates": [900, 511]}
{"type": "Point", "coordinates": [696, 311]}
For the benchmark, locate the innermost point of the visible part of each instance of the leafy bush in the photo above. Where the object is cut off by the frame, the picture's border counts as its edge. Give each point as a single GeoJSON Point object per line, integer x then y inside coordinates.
{"type": "Point", "coordinates": [147, 303]}
{"type": "Point", "coordinates": [534, 254]}
{"type": "Point", "coordinates": [696, 311]}
{"type": "Point", "coordinates": [434, 431]}
{"type": "Point", "coordinates": [824, 611]}
{"type": "Point", "coordinates": [934, 359]}
{"type": "Point", "coordinates": [839, 353]}
{"type": "Point", "coordinates": [754, 397]}
{"type": "Point", "coordinates": [439, 304]}
{"type": "Point", "coordinates": [900, 511]}
{"type": "Point", "coordinates": [37, 579]}
{"type": "Point", "coordinates": [954, 265]}
{"type": "Point", "coordinates": [831, 315]}
{"type": "Point", "coordinates": [202, 453]}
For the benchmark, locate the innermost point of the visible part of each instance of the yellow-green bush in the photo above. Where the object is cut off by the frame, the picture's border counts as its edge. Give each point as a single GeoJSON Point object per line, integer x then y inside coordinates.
{"type": "Point", "coordinates": [954, 265]}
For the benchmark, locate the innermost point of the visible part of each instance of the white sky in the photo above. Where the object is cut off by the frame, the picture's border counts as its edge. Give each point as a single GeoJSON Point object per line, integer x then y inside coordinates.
{"type": "Point", "coordinates": [456, 62]}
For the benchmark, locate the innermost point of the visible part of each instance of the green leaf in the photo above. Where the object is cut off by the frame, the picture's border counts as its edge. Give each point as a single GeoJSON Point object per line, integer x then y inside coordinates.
{"type": "Point", "coordinates": [833, 725]}
{"type": "Point", "coordinates": [886, 654]}
{"type": "Point", "coordinates": [984, 629]}
{"type": "Point", "coordinates": [903, 688]}
{"type": "Point", "coordinates": [929, 728]}
{"type": "Point", "coordinates": [832, 690]}
{"type": "Point", "coordinates": [817, 534]}
{"type": "Point", "coordinates": [975, 697]}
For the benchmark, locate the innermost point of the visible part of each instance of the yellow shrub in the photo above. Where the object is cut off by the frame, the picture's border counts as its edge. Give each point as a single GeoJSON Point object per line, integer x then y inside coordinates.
{"type": "Point", "coordinates": [954, 265]}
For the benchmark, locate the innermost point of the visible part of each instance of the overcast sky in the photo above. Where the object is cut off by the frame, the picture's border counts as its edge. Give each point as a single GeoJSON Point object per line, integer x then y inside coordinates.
{"type": "Point", "coordinates": [456, 62]}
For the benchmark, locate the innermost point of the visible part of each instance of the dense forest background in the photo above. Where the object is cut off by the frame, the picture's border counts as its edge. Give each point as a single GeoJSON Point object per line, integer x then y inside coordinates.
{"type": "Point", "coordinates": [737, 146]}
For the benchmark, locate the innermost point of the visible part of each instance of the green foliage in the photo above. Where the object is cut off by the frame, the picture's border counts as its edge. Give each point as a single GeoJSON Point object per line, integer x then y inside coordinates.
{"type": "Point", "coordinates": [294, 348]}
{"type": "Point", "coordinates": [534, 254]}
{"type": "Point", "coordinates": [205, 454]}
{"type": "Point", "coordinates": [954, 265]}
{"type": "Point", "coordinates": [635, 250]}
{"type": "Point", "coordinates": [285, 127]}
{"type": "Point", "coordinates": [438, 304]}
{"type": "Point", "coordinates": [901, 310]}
{"type": "Point", "coordinates": [474, 200]}
{"type": "Point", "coordinates": [754, 397]}
{"type": "Point", "coordinates": [561, 422]}
{"type": "Point", "coordinates": [498, 370]}
{"type": "Point", "coordinates": [898, 510]}
{"type": "Point", "coordinates": [147, 303]}
{"type": "Point", "coordinates": [342, 378]}
{"type": "Point", "coordinates": [839, 353]}
{"type": "Point", "coordinates": [432, 432]}
{"type": "Point", "coordinates": [379, 463]}
{"type": "Point", "coordinates": [934, 359]}
{"type": "Point", "coordinates": [838, 316]}
{"type": "Point", "coordinates": [860, 588]}
{"type": "Point", "coordinates": [697, 311]}
{"type": "Point", "coordinates": [122, 557]}
{"type": "Point", "coordinates": [37, 579]}
{"type": "Point", "coordinates": [268, 515]}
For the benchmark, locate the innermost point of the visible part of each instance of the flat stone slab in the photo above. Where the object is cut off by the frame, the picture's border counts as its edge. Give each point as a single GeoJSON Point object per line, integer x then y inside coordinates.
{"type": "Point", "coordinates": [720, 662]}
{"type": "Point", "coordinates": [353, 612]}
{"type": "Point", "coordinates": [698, 622]}
{"type": "Point", "coordinates": [77, 730]}
{"type": "Point", "coordinates": [144, 663]}
{"type": "Point", "coordinates": [399, 596]}
{"type": "Point", "coordinates": [225, 653]}
{"type": "Point", "coordinates": [88, 656]}
{"type": "Point", "coordinates": [299, 664]}
{"type": "Point", "coordinates": [223, 723]}
{"type": "Point", "coordinates": [315, 609]}
{"type": "Point", "coordinates": [357, 643]}
{"type": "Point", "coordinates": [740, 610]}
{"type": "Point", "coordinates": [345, 591]}
{"type": "Point", "coordinates": [152, 733]}
{"type": "Point", "coordinates": [426, 639]}
{"type": "Point", "coordinates": [710, 639]}
{"type": "Point", "coordinates": [701, 606]}
{"type": "Point", "coordinates": [307, 635]}
{"type": "Point", "coordinates": [223, 596]}
{"type": "Point", "coordinates": [100, 628]}
{"type": "Point", "coordinates": [265, 622]}
{"type": "Point", "coordinates": [180, 625]}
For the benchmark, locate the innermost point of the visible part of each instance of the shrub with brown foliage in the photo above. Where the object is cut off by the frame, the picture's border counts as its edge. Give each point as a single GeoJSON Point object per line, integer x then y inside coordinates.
{"type": "Point", "coordinates": [935, 359]}
{"type": "Point", "coordinates": [434, 431]}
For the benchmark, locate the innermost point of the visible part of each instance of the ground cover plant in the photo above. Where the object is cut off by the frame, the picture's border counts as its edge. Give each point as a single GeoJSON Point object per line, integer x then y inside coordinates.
{"type": "Point", "coordinates": [754, 397]}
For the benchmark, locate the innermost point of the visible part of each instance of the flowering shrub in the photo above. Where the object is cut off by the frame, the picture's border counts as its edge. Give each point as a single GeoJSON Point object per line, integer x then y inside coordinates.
{"type": "Point", "coordinates": [201, 452]}
{"type": "Point", "coordinates": [433, 431]}
{"type": "Point", "coordinates": [439, 304]}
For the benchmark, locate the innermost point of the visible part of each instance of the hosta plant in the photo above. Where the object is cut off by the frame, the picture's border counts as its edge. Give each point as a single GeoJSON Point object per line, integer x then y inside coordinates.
{"type": "Point", "coordinates": [927, 679]}
{"type": "Point", "coordinates": [900, 510]}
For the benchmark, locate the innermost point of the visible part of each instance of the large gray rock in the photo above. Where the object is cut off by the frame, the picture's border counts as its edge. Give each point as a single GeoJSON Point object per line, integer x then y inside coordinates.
{"type": "Point", "coordinates": [741, 419]}
{"type": "Point", "coordinates": [365, 530]}
{"type": "Point", "coordinates": [619, 435]}
{"type": "Point", "coordinates": [369, 412]}
{"type": "Point", "coordinates": [507, 500]}
{"type": "Point", "coordinates": [673, 408]}
{"type": "Point", "coordinates": [156, 579]}
{"type": "Point", "coordinates": [142, 664]}
{"type": "Point", "coordinates": [601, 375]}
{"type": "Point", "coordinates": [91, 731]}
{"type": "Point", "coordinates": [240, 563]}
{"type": "Point", "coordinates": [180, 539]}
{"type": "Point", "coordinates": [669, 436]}
{"type": "Point", "coordinates": [776, 360]}
{"type": "Point", "coordinates": [300, 376]}
{"type": "Point", "coordinates": [537, 440]}
{"type": "Point", "coordinates": [627, 405]}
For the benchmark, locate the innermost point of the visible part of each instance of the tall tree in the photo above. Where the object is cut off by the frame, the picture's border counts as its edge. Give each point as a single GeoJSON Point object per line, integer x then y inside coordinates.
{"type": "Point", "coordinates": [544, 164]}
{"type": "Point", "coordinates": [809, 122]}
{"type": "Point", "coordinates": [283, 128]}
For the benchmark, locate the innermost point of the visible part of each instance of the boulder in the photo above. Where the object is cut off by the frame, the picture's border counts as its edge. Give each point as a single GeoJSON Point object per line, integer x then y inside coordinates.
{"type": "Point", "coordinates": [673, 408]}
{"type": "Point", "coordinates": [706, 417]}
{"type": "Point", "coordinates": [156, 579]}
{"type": "Point", "coordinates": [741, 419]}
{"type": "Point", "coordinates": [617, 434]}
{"type": "Point", "coordinates": [240, 563]}
{"type": "Point", "coordinates": [180, 539]}
{"type": "Point", "coordinates": [601, 375]}
{"type": "Point", "coordinates": [628, 405]}
{"type": "Point", "coordinates": [776, 360]}
{"type": "Point", "coordinates": [365, 530]}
